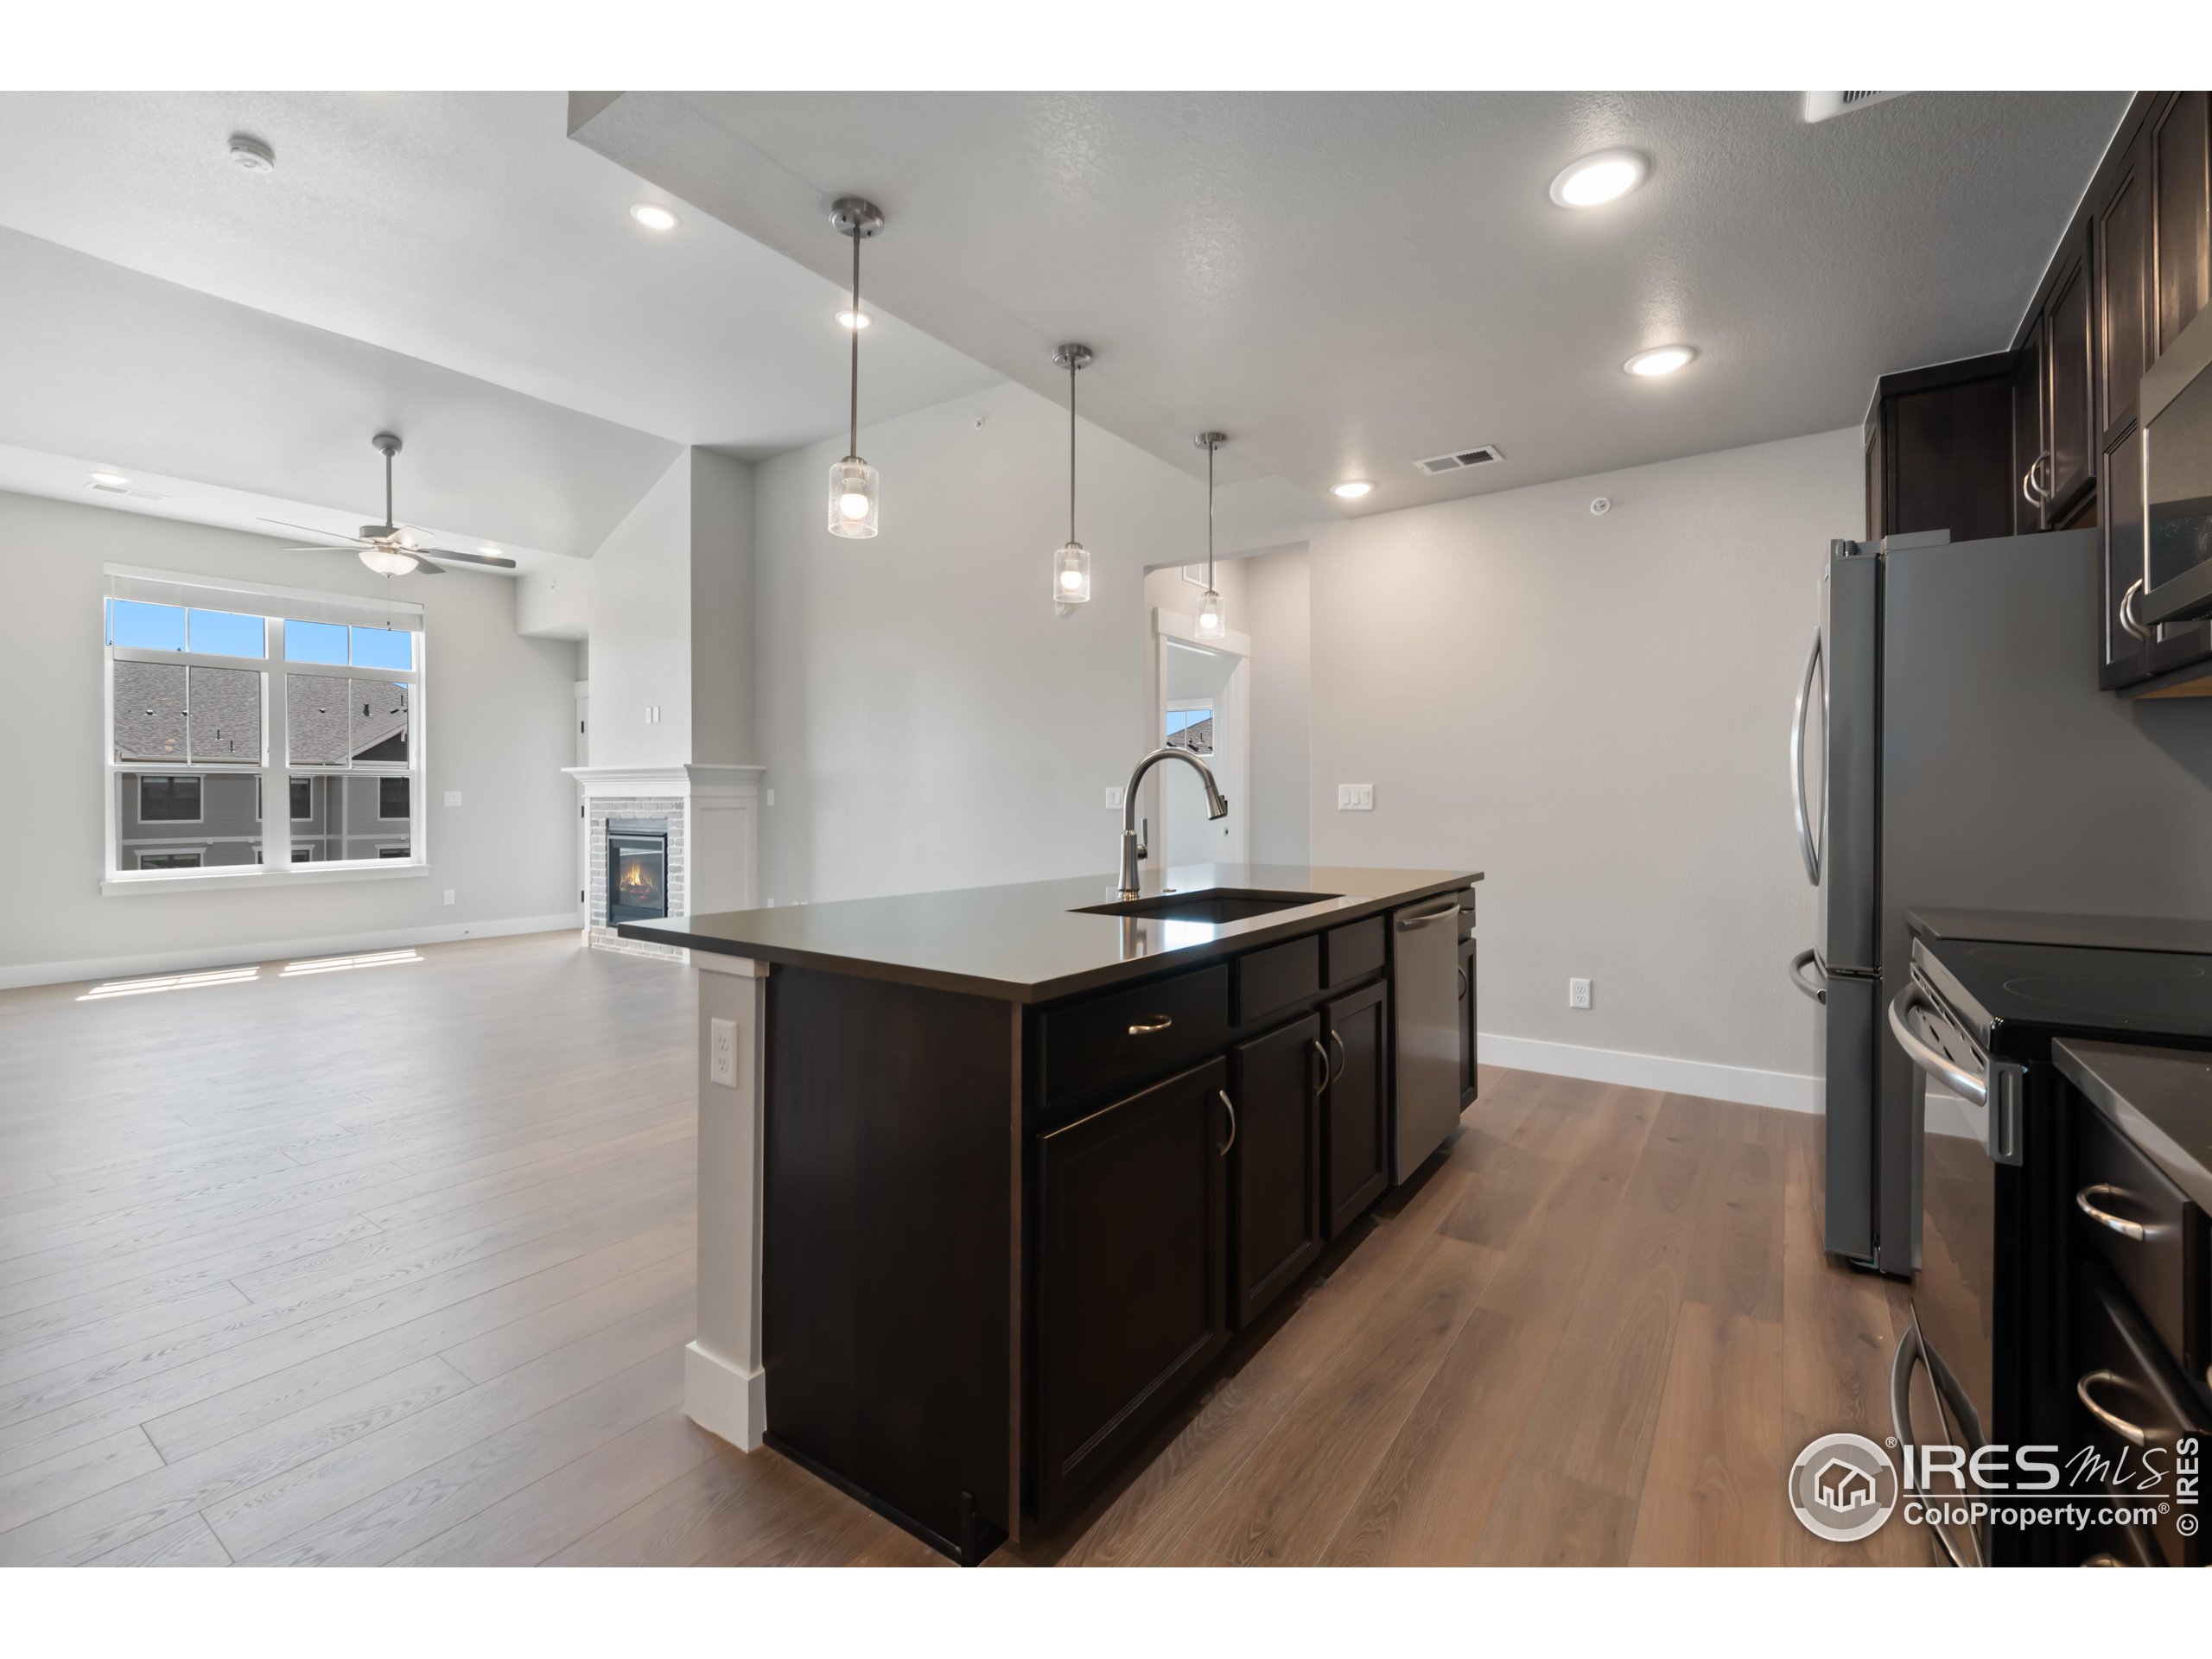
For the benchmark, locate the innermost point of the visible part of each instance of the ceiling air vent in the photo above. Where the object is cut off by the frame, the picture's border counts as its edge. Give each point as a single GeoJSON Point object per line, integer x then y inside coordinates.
{"type": "Point", "coordinates": [1462, 460]}
{"type": "Point", "coordinates": [1823, 107]}
{"type": "Point", "coordinates": [126, 490]}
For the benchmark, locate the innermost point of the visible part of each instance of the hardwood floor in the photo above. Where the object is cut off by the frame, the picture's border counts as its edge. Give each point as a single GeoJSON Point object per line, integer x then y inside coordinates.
{"type": "Point", "coordinates": [389, 1259]}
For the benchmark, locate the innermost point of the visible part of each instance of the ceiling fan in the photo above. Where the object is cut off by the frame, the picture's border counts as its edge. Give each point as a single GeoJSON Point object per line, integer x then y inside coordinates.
{"type": "Point", "coordinates": [390, 548]}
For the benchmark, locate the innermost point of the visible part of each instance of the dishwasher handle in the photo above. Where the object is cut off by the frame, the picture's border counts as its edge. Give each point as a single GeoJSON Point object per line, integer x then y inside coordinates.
{"type": "Point", "coordinates": [1409, 919]}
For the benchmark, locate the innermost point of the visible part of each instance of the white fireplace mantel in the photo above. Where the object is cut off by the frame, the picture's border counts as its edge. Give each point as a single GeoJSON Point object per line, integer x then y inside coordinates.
{"type": "Point", "coordinates": [666, 781]}
{"type": "Point", "coordinates": [721, 817]}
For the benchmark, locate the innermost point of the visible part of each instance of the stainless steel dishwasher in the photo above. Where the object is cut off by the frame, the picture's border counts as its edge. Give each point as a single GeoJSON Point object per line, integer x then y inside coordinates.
{"type": "Point", "coordinates": [1425, 1031]}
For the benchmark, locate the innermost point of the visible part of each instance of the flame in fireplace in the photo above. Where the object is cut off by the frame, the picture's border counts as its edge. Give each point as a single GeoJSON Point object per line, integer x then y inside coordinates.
{"type": "Point", "coordinates": [636, 882]}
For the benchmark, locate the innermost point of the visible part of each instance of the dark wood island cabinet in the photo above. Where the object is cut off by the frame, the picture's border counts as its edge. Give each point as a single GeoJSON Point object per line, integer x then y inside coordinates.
{"type": "Point", "coordinates": [990, 1179]}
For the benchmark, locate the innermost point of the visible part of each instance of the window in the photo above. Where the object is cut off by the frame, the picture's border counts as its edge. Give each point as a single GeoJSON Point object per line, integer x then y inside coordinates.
{"type": "Point", "coordinates": [167, 799]}
{"type": "Point", "coordinates": [222, 693]}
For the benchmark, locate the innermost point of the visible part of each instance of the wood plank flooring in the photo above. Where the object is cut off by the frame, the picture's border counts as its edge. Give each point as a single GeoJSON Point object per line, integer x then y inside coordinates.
{"type": "Point", "coordinates": [389, 1260]}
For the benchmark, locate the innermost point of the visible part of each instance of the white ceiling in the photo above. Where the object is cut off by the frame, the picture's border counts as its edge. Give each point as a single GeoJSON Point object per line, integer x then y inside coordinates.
{"type": "Point", "coordinates": [1346, 283]}
{"type": "Point", "coordinates": [464, 229]}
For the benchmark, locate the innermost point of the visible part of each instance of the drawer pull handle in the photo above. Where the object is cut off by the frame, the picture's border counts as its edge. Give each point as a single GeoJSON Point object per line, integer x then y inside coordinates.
{"type": "Point", "coordinates": [1337, 1042]}
{"type": "Point", "coordinates": [2135, 1433]}
{"type": "Point", "coordinates": [2140, 1231]}
{"type": "Point", "coordinates": [1322, 1079]}
{"type": "Point", "coordinates": [2104, 1558]}
{"type": "Point", "coordinates": [1231, 1105]}
{"type": "Point", "coordinates": [1146, 1027]}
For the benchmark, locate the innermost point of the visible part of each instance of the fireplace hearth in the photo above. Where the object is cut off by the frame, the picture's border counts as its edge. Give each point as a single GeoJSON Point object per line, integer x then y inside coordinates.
{"type": "Point", "coordinates": [636, 870]}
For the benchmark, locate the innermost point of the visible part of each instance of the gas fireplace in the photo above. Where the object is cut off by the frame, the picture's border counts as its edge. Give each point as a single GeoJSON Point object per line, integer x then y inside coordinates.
{"type": "Point", "coordinates": [636, 870]}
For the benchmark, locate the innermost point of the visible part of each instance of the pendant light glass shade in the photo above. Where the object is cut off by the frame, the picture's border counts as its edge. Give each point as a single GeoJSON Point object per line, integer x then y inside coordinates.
{"type": "Point", "coordinates": [1071, 575]}
{"type": "Point", "coordinates": [1211, 626]}
{"type": "Point", "coordinates": [852, 498]}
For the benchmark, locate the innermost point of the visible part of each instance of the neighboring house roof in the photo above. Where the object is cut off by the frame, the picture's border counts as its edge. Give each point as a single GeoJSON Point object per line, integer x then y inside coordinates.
{"type": "Point", "coordinates": [333, 719]}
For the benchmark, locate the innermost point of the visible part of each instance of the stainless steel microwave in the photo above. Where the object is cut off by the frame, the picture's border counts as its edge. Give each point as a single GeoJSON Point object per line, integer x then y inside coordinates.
{"type": "Point", "coordinates": [2176, 399]}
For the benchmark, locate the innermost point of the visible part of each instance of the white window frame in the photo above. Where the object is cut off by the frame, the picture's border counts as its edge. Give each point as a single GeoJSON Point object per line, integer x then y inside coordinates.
{"type": "Point", "coordinates": [274, 768]}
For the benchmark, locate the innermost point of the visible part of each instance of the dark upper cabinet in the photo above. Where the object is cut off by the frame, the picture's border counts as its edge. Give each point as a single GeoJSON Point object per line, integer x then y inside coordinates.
{"type": "Point", "coordinates": [2178, 166]}
{"type": "Point", "coordinates": [2069, 421]}
{"type": "Point", "coordinates": [1131, 1254]}
{"type": "Point", "coordinates": [1939, 443]}
{"type": "Point", "coordinates": [2025, 494]}
{"type": "Point", "coordinates": [1274, 1167]}
{"type": "Point", "coordinates": [2127, 653]}
{"type": "Point", "coordinates": [1356, 1147]}
{"type": "Point", "coordinates": [2122, 253]}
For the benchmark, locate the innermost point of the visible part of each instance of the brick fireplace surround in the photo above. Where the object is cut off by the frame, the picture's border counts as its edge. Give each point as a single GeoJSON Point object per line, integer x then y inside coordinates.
{"type": "Point", "coordinates": [713, 814]}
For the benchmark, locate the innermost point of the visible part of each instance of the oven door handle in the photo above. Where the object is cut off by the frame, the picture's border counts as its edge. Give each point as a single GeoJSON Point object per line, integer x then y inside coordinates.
{"type": "Point", "coordinates": [1967, 1086]}
{"type": "Point", "coordinates": [1962, 1545]}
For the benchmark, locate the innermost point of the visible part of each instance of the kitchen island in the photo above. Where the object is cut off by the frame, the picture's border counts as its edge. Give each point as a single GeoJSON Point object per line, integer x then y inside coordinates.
{"type": "Point", "coordinates": [990, 1178]}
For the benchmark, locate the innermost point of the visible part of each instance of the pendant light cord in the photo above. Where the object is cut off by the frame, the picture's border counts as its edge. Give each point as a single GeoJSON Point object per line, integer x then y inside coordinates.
{"type": "Point", "coordinates": [1071, 368]}
{"type": "Point", "coordinates": [1209, 450]}
{"type": "Point", "coordinates": [853, 438]}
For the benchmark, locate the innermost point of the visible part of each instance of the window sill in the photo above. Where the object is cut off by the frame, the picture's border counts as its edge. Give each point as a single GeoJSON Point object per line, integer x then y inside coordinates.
{"type": "Point", "coordinates": [144, 882]}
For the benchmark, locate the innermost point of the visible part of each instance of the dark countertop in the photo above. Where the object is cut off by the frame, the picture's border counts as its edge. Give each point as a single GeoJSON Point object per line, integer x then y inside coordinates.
{"type": "Point", "coordinates": [1025, 943]}
{"type": "Point", "coordinates": [2037, 927]}
{"type": "Point", "coordinates": [2161, 1098]}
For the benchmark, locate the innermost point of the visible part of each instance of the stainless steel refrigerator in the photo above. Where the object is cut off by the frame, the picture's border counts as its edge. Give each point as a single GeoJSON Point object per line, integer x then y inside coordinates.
{"type": "Point", "coordinates": [1950, 749]}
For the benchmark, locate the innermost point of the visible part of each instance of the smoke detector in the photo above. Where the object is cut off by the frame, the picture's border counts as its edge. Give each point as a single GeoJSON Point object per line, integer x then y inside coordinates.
{"type": "Point", "coordinates": [250, 155]}
{"type": "Point", "coordinates": [1481, 455]}
{"type": "Point", "coordinates": [1825, 106]}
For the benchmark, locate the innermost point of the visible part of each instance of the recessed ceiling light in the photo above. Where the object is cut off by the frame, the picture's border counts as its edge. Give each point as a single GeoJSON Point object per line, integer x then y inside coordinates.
{"type": "Point", "coordinates": [250, 155]}
{"type": "Point", "coordinates": [652, 216]}
{"type": "Point", "coordinates": [110, 480]}
{"type": "Point", "coordinates": [1595, 180]}
{"type": "Point", "coordinates": [1660, 359]}
{"type": "Point", "coordinates": [1351, 489]}
{"type": "Point", "coordinates": [854, 319]}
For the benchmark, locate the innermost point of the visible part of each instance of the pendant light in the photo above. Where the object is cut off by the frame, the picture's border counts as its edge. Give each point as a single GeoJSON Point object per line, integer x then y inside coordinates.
{"type": "Point", "coordinates": [1210, 624]}
{"type": "Point", "coordinates": [1071, 564]}
{"type": "Point", "coordinates": [852, 480]}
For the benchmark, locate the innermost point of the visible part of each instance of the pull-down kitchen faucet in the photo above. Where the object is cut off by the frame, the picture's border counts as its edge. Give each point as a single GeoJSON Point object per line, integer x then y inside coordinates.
{"type": "Point", "coordinates": [1133, 849]}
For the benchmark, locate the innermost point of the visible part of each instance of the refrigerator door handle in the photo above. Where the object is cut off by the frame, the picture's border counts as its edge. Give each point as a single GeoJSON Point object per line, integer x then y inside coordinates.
{"type": "Point", "coordinates": [1798, 964]}
{"type": "Point", "coordinates": [1805, 844]}
{"type": "Point", "coordinates": [1926, 1056]}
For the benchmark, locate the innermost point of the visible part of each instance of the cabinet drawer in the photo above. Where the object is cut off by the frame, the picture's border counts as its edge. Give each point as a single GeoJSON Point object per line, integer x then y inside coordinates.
{"type": "Point", "coordinates": [1274, 978]}
{"type": "Point", "coordinates": [2145, 1230]}
{"type": "Point", "coordinates": [1352, 951]}
{"type": "Point", "coordinates": [1132, 1035]}
{"type": "Point", "coordinates": [2130, 1402]}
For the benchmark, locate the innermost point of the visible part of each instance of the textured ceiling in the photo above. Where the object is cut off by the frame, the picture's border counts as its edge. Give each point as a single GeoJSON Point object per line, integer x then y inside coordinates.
{"type": "Point", "coordinates": [1346, 283]}
{"type": "Point", "coordinates": [465, 230]}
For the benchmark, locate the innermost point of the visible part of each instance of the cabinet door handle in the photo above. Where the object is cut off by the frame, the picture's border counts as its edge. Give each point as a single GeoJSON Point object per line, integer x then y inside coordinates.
{"type": "Point", "coordinates": [2141, 1232]}
{"type": "Point", "coordinates": [1231, 1105]}
{"type": "Point", "coordinates": [1146, 1027]}
{"type": "Point", "coordinates": [2135, 1433]}
{"type": "Point", "coordinates": [1463, 984]}
{"type": "Point", "coordinates": [2129, 625]}
{"type": "Point", "coordinates": [1337, 1042]}
{"type": "Point", "coordinates": [1322, 1079]}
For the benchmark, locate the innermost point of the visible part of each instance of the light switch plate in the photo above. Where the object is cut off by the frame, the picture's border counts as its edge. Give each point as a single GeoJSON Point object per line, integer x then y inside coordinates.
{"type": "Point", "coordinates": [453, 798]}
{"type": "Point", "coordinates": [1114, 797]}
{"type": "Point", "coordinates": [1355, 798]}
{"type": "Point", "coordinates": [448, 897]}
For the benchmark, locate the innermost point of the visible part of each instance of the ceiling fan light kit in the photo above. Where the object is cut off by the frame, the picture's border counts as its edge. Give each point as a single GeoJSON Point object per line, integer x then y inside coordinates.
{"type": "Point", "coordinates": [392, 548]}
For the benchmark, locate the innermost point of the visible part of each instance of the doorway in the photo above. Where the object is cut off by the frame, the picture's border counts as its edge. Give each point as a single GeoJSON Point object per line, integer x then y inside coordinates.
{"type": "Point", "coordinates": [1201, 702]}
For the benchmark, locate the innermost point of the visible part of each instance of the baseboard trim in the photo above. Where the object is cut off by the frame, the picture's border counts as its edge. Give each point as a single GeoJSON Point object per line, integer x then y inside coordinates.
{"type": "Point", "coordinates": [1785, 1090]}
{"type": "Point", "coordinates": [231, 955]}
{"type": "Point", "coordinates": [724, 1400]}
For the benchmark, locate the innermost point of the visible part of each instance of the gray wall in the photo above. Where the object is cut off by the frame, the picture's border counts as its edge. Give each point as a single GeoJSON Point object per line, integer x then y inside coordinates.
{"type": "Point", "coordinates": [497, 730]}
{"type": "Point", "coordinates": [1594, 711]}
{"type": "Point", "coordinates": [1278, 602]}
{"type": "Point", "coordinates": [927, 722]}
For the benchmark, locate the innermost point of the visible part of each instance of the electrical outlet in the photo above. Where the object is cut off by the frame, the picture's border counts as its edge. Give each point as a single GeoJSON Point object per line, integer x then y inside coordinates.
{"type": "Point", "coordinates": [1114, 798]}
{"type": "Point", "coordinates": [1355, 798]}
{"type": "Point", "coordinates": [1578, 992]}
{"type": "Point", "coordinates": [448, 897]}
{"type": "Point", "coordinates": [722, 1053]}
{"type": "Point", "coordinates": [453, 798]}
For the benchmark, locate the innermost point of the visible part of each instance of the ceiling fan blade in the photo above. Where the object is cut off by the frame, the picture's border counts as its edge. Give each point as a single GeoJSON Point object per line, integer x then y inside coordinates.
{"type": "Point", "coordinates": [325, 548]}
{"type": "Point", "coordinates": [494, 560]}
{"type": "Point", "coordinates": [310, 530]}
{"type": "Point", "coordinates": [424, 566]}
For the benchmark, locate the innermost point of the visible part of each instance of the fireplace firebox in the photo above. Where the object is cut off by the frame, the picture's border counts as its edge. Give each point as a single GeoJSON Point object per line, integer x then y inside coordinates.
{"type": "Point", "coordinates": [636, 870]}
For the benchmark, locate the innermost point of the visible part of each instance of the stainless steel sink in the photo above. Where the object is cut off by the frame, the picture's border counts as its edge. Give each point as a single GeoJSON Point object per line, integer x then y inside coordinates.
{"type": "Point", "coordinates": [1211, 905]}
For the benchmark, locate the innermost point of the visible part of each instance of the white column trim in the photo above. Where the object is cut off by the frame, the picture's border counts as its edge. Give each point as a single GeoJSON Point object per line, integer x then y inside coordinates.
{"type": "Point", "coordinates": [725, 1385]}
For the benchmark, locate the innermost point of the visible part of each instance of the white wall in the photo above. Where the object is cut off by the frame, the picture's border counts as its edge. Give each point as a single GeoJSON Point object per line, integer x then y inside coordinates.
{"type": "Point", "coordinates": [1593, 711]}
{"type": "Point", "coordinates": [497, 712]}
{"type": "Point", "coordinates": [638, 620]}
{"type": "Point", "coordinates": [1278, 612]}
{"type": "Point", "coordinates": [927, 720]}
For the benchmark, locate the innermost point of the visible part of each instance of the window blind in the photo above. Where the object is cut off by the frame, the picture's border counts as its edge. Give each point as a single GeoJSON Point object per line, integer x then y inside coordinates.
{"type": "Point", "coordinates": [257, 599]}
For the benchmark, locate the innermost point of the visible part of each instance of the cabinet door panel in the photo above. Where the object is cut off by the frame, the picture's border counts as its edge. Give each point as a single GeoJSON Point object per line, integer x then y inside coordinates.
{"type": "Point", "coordinates": [1275, 1170]}
{"type": "Point", "coordinates": [2123, 262]}
{"type": "Point", "coordinates": [2071, 434]}
{"type": "Point", "coordinates": [2127, 658]}
{"type": "Point", "coordinates": [1129, 1295]}
{"type": "Point", "coordinates": [1356, 1110]}
{"type": "Point", "coordinates": [2178, 174]}
{"type": "Point", "coordinates": [2027, 434]}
